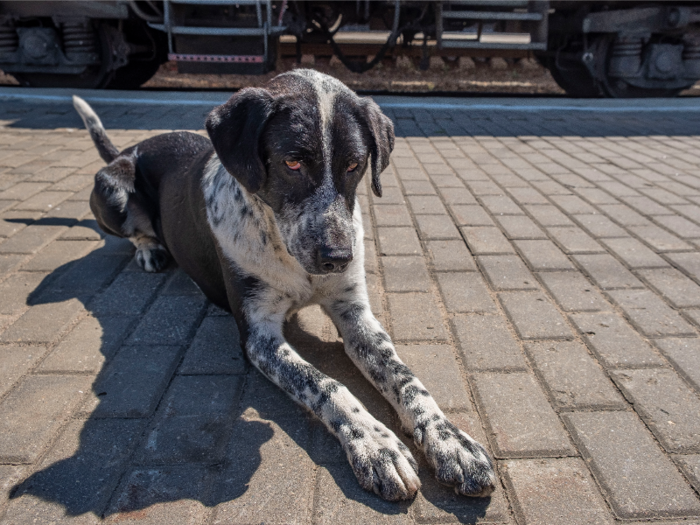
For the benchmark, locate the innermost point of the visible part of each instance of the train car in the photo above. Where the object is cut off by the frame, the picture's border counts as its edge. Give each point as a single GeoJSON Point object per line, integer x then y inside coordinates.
{"type": "Point", "coordinates": [592, 48]}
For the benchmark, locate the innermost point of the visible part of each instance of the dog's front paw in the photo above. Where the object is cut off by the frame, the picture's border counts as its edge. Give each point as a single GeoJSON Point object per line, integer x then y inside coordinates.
{"type": "Point", "coordinates": [381, 462]}
{"type": "Point", "coordinates": [152, 258]}
{"type": "Point", "coordinates": [458, 460]}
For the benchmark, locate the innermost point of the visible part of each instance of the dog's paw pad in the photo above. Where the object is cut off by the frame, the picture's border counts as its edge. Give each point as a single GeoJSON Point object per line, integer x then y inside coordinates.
{"type": "Point", "coordinates": [459, 461]}
{"type": "Point", "coordinates": [382, 463]}
{"type": "Point", "coordinates": [152, 258]}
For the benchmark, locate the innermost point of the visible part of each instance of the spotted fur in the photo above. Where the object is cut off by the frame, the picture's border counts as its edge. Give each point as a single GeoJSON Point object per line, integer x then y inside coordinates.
{"type": "Point", "coordinates": [257, 237]}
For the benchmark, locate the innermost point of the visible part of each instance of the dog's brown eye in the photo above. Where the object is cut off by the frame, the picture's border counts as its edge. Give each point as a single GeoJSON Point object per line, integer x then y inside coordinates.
{"type": "Point", "coordinates": [293, 164]}
{"type": "Point", "coordinates": [352, 166]}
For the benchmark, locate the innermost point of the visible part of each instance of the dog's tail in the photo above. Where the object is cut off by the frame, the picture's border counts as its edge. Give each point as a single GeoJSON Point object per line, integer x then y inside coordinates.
{"type": "Point", "coordinates": [104, 146]}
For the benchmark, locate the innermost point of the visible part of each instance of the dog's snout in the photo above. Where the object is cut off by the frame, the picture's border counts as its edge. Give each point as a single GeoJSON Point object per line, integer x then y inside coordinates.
{"type": "Point", "coordinates": [334, 260]}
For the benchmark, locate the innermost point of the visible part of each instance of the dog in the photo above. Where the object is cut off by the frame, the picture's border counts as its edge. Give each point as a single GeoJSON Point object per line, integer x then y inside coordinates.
{"type": "Point", "coordinates": [265, 220]}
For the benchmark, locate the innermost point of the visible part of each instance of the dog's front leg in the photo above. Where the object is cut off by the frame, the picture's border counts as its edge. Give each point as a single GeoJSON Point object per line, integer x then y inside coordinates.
{"type": "Point", "coordinates": [381, 462]}
{"type": "Point", "coordinates": [458, 460]}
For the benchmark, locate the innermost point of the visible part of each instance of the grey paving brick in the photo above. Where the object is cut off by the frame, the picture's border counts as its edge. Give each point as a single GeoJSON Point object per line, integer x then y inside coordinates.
{"type": "Point", "coordinates": [436, 227]}
{"type": "Point", "coordinates": [33, 412]}
{"type": "Point", "coordinates": [132, 383]}
{"type": "Point", "coordinates": [607, 272]}
{"type": "Point", "coordinates": [675, 287]}
{"type": "Point", "coordinates": [9, 262]}
{"type": "Point", "coordinates": [10, 475]}
{"type": "Point", "coordinates": [624, 215]}
{"type": "Point", "coordinates": [43, 323]}
{"type": "Point", "coordinates": [457, 196]}
{"type": "Point", "coordinates": [486, 343]}
{"type": "Point", "coordinates": [128, 294]}
{"type": "Point", "coordinates": [500, 205]}
{"type": "Point", "coordinates": [58, 253]}
{"type": "Point", "coordinates": [688, 262]}
{"type": "Point", "coordinates": [15, 361]}
{"type": "Point", "coordinates": [390, 195]}
{"type": "Point", "coordinates": [599, 226]}
{"type": "Point", "coordinates": [650, 314]}
{"type": "Point", "coordinates": [684, 355]}
{"type": "Point", "coordinates": [88, 346]}
{"type": "Point", "coordinates": [22, 191]}
{"type": "Point", "coordinates": [88, 453]}
{"type": "Point", "coordinates": [573, 205]}
{"type": "Point", "coordinates": [418, 187]}
{"type": "Point", "coordinates": [270, 477]}
{"type": "Point", "coordinates": [470, 215]}
{"type": "Point", "coordinates": [17, 289]}
{"type": "Point", "coordinates": [550, 491]}
{"type": "Point", "coordinates": [436, 367]}
{"type": "Point", "coordinates": [169, 321]}
{"type": "Point", "coordinates": [634, 253]}
{"type": "Point", "coordinates": [543, 255]}
{"type": "Point", "coordinates": [416, 317]}
{"type": "Point", "coordinates": [31, 238]}
{"type": "Point", "coordinates": [405, 274]}
{"type": "Point", "coordinates": [450, 255]}
{"type": "Point", "coordinates": [646, 206]}
{"type": "Point", "coordinates": [507, 272]}
{"type": "Point", "coordinates": [465, 293]}
{"type": "Point", "coordinates": [484, 240]}
{"type": "Point", "coordinates": [638, 479]}
{"type": "Point", "coordinates": [520, 227]}
{"type": "Point", "coordinates": [657, 238]}
{"type": "Point", "coordinates": [392, 215]}
{"type": "Point", "coordinates": [428, 204]}
{"type": "Point", "coordinates": [216, 349]}
{"type": "Point", "coordinates": [43, 201]}
{"type": "Point", "coordinates": [398, 241]}
{"type": "Point", "coordinates": [484, 187]}
{"type": "Point", "coordinates": [574, 240]}
{"type": "Point", "coordinates": [179, 283]}
{"type": "Point", "coordinates": [548, 215]}
{"type": "Point", "coordinates": [614, 342]}
{"type": "Point", "coordinates": [667, 405]}
{"type": "Point", "coordinates": [573, 292]}
{"type": "Point", "coordinates": [691, 468]}
{"type": "Point", "coordinates": [519, 417]}
{"type": "Point", "coordinates": [168, 494]}
{"type": "Point", "coordinates": [572, 376]}
{"type": "Point", "coordinates": [86, 276]}
{"type": "Point", "coordinates": [680, 226]}
{"type": "Point", "coordinates": [534, 316]}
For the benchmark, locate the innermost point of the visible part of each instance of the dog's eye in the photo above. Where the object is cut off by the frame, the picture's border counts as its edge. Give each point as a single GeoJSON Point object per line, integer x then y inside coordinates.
{"type": "Point", "coordinates": [352, 167]}
{"type": "Point", "coordinates": [293, 164]}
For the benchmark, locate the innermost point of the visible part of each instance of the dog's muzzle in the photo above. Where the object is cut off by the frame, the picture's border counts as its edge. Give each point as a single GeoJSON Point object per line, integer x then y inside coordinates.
{"type": "Point", "coordinates": [333, 260]}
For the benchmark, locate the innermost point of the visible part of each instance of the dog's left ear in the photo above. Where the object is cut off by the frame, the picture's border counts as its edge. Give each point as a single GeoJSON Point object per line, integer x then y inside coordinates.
{"type": "Point", "coordinates": [235, 129]}
{"type": "Point", "coordinates": [381, 129]}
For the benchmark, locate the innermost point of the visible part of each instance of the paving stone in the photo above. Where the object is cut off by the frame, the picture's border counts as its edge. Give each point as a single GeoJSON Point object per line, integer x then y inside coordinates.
{"type": "Point", "coordinates": [646, 206]}
{"type": "Point", "coordinates": [431, 205]}
{"type": "Point", "coordinates": [520, 227]}
{"type": "Point", "coordinates": [691, 467]}
{"type": "Point", "coordinates": [679, 225]}
{"type": "Point", "coordinates": [132, 383]}
{"type": "Point", "coordinates": [169, 321]}
{"type": "Point", "coordinates": [486, 344]}
{"type": "Point", "coordinates": [450, 256]}
{"type": "Point", "coordinates": [573, 292]}
{"type": "Point", "coordinates": [436, 227]}
{"type": "Point", "coordinates": [86, 276]}
{"type": "Point", "coordinates": [167, 494]}
{"type": "Point", "coordinates": [519, 417]}
{"type": "Point", "coordinates": [465, 293]}
{"type": "Point", "coordinates": [88, 454]}
{"type": "Point", "coordinates": [667, 405]}
{"type": "Point", "coordinates": [17, 289]}
{"type": "Point", "coordinates": [650, 314]}
{"type": "Point", "coordinates": [607, 272]}
{"type": "Point", "coordinates": [675, 287]}
{"type": "Point", "coordinates": [88, 346]}
{"type": "Point", "coordinates": [507, 272]}
{"type": "Point", "coordinates": [128, 294]}
{"type": "Point", "coordinates": [684, 355]}
{"type": "Point", "coordinates": [500, 205]}
{"type": "Point", "coordinates": [638, 479]}
{"type": "Point", "coordinates": [554, 491]}
{"type": "Point", "coordinates": [573, 377]}
{"type": "Point", "coordinates": [470, 215]}
{"type": "Point", "coordinates": [215, 350]}
{"type": "Point", "coordinates": [548, 215]}
{"type": "Point", "coordinates": [22, 191]}
{"type": "Point", "coordinates": [42, 323]}
{"type": "Point", "coordinates": [574, 240]}
{"type": "Point", "coordinates": [688, 262]}
{"type": "Point", "coordinates": [418, 187]}
{"type": "Point", "coordinates": [392, 215]}
{"type": "Point", "coordinates": [57, 254]}
{"type": "Point", "coordinates": [33, 412]}
{"type": "Point", "coordinates": [660, 240]}
{"type": "Point", "coordinates": [180, 283]}
{"type": "Point", "coordinates": [9, 262]}
{"type": "Point", "coordinates": [486, 240]}
{"type": "Point", "coordinates": [543, 255]}
{"type": "Point", "coordinates": [572, 205]}
{"type": "Point", "coordinates": [43, 201]}
{"type": "Point", "coordinates": [270, 477]}
{"type": "Point", "coordinates": [398, 241]}
{"type": "Point", "coordinates": [457, 196]}
{"type": "Point", "coordinates": [10, 475]}
{"type": "Point", "coordinates": [614, 342]}
{"type": "Point", "coordinates": [436, 367]}
{"type": "Point", "coordinates": [484, 187]}
{"type": "Point", "coordinates": [405, 274]}
{"type": "Point", "coordinates": [600, 226]}
{"type": "Point", "coordinates": [533, 316]}
{"type": "Point", "coordinates": [408, 325]}
{"type": "Point", "coordinates": [634, 253]}
{"type": "Point", "coordinates": [31, 239]}
{"type": "Point", "coordinates": [15, 361]}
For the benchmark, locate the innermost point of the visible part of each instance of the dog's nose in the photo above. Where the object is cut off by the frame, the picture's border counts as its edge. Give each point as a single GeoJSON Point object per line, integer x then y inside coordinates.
{"type": "Point", "coordinates": [334, 260]}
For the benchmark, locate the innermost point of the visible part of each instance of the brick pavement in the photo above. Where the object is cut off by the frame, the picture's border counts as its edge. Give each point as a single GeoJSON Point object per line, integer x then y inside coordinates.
{"type": "Point", "coordinates": [539, 270]}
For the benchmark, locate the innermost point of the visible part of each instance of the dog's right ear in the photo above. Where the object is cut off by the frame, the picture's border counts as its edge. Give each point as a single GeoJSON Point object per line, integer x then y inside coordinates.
{"type": "Point", "coordinates": [235, 129]}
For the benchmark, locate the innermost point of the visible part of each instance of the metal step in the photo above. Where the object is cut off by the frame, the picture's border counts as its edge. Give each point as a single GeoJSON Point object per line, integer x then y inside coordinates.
{"type": "Point", "coordinates": [221, 31]}
{"type": "Point", "coordinates": [491, 15]}
{"type": "Point", "coordinates": [473, 44]}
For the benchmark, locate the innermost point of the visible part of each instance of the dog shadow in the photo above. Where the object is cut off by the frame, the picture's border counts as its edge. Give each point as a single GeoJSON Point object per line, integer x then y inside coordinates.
{"type": "Point", "coordinates": [176, 414]}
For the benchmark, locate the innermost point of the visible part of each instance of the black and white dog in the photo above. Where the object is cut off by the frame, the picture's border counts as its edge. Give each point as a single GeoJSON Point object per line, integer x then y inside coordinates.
{"type": "Point", "coordinates": [265, 219]}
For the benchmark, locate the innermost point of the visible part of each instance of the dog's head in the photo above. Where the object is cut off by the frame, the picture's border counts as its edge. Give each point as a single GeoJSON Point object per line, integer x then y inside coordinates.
{"type": "Point", "coordinates": [302, 145]}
